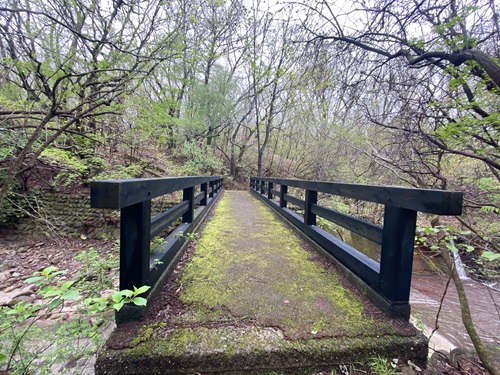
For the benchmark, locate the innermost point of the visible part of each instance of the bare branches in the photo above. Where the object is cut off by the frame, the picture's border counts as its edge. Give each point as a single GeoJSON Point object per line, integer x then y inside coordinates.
{"type": "Point", "coordinates": [65, 65]}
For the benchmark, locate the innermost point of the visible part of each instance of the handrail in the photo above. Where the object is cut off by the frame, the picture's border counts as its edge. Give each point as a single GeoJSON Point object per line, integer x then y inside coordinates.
{"type": "Point", "coordinates": [391, 278]}
{"type": "Point", "coordinates": [138, 265]}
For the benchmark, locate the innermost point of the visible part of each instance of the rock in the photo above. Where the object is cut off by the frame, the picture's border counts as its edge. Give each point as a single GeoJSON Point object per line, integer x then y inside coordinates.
{"type": "Point", "coordinates": [27, 299]}
{"type": "Point", "coordinates": [12, 286]}
{"type": "Point", "coordinates": [11, 298]}
{"type": "Point", "coordinates": [439, 355]}
{"type": "Point", "coordinates": [407, 370]}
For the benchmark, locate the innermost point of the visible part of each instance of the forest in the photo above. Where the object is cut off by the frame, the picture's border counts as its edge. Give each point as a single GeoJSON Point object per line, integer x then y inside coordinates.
{"type": "Point", "coordinates": [380, 92]}
{"type": "Point", "coordinates": [373, 92]}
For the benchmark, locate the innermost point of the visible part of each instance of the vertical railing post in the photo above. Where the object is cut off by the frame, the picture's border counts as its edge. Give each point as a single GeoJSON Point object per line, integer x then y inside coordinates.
{"type": "Point", "coordinates": [396, 259]}
{"type": "Point", "coordinates": [251, 183]}
{"type": "Point", "coordinates": [270, 186]}
{"type": "Point", "coordinates": [283, 191]}
{"type": "Point", "coordinates": [188, 195]}
{"type": "Point", "coordinates": [262, 186]}
{"type": "Point", "coordinates": [311, 198]}
{"type": "Point", "coordinates": [204, 189]}
{"type": "Point", "coordinates": [135, 228]}
{"type": "Point", "coordinates": [211, 188]}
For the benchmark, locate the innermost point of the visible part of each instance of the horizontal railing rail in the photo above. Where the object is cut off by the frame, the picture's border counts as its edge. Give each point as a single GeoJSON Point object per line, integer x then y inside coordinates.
{"type": "Point", "coordinates": [138, 265]}
{"type": "Point", "coordinates": [391, 277]}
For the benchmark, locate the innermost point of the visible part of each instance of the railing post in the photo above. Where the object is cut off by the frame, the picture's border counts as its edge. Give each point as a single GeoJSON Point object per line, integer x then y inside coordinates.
{"type": "Point", "coordinates": [135, 227]}
{"type": "Point", "coordinates": [270, 186]}
{"type": "Point", "coordinates": [204, 189]}
{"type": "Point", "coordinates": [311, 198]}
{"type": "Point", "coordinates": [396, 259]}
{"type": "Point", "coordinates": [188, 195]}
{"type": "Point", "coordinates": [283, 191]}
{"type": "Point", "coordinates": [211, 186]}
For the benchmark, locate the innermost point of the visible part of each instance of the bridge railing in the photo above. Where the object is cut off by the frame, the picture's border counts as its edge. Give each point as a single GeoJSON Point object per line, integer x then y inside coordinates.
{"type": "Point", "coordinates": [390, 278]}
{"type": "Point", "coordinates": [138, 265]}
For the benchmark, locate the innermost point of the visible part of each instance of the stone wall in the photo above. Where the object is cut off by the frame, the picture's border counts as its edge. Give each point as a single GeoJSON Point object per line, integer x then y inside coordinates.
{"type": "Point", "coordinates": [70, 216]}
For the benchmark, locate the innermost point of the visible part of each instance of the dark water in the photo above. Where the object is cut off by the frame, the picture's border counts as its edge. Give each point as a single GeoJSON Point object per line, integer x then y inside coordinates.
{"type": "Point", "coordinates": [484, 301]}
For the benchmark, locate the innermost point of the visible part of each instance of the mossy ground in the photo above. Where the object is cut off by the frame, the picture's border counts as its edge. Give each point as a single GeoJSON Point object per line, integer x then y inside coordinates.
{"type": "Point", "coordinates": [255, 296]}
{"type": "Point", "coordinates": [251, 264]}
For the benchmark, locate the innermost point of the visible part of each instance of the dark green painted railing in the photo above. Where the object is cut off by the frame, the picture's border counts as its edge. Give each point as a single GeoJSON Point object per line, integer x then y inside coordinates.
{"type": "Point", "coordinates": [391, 278]}
{"type": "Point", "coordinates": [139, 266]}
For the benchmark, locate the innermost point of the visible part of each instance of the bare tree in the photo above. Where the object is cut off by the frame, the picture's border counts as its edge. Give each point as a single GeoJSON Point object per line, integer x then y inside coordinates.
{"type": "Point", "coordinates": [65, 65]}
{"type": "Point", "coordinates": [449, 45]}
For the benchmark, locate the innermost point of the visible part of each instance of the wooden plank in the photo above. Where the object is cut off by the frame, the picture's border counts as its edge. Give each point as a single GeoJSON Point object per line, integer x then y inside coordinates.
{"type": "Point", "coordinates": [311, 199]}
{"type": "Point", "coordinates": [134, 245]}
{"type": "Point", "coordinates": [122, 193]}
{"type": "Point", "coordinates": [204, 190]}
{"type": "Point", "coordinates": [270, 190]}
{"type": "Point", "coordinates": [188, 195]}
{"type": "Point", "coordinates": [283, 193]}
{"type": "Point", "coordinates": [275, 192]}
{"type": "Point", "coordinates": [363, 266]}
{"type": "Point", "coordinates": [166, 253]}
{"type": "Point", "coordinates": [199, 197]}
{"type": "Point", "coordinates": [441, 202]}
{"type": "Point", "coordinates": [160, 222]}
{"type": "Point", "coordinates": [396, 259]}
{"type": "Point", "coordinates": [295, 201]}
{"type": "Point", "coordinates": [363, 228]}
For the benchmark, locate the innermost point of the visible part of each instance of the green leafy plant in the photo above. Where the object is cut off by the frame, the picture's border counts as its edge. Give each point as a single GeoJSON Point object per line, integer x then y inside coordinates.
{"type": "Point", "coordinates": [96, 269]}
{"type": "Point", "coordinates": [188, 236]}
{"type": "Point", "coordinates": [76, 313]}
{"type": "Point", "coordinates": [118, 172]}
{"type": "Point", "coordinates": [200, 161]}
{"type": "Point", "coordinates": [435, 238]}
{"type": "Point", "coordinates": [156, 243]}
{"type": "Point", "coordinates": [382, 366]}
{"type": "Point", "coordinates": [122, 297]}
{"type": "Point", "coordinates": [156, 262]}
{"type": "Point", "coordinates": [21, 333]}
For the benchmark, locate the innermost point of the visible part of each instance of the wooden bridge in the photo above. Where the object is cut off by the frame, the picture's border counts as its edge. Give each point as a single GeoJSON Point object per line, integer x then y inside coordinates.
{"type": "Point", "coordinates": [253, 295]}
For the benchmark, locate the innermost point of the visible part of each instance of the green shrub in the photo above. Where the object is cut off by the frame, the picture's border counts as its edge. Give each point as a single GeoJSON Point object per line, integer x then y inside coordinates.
{"type": "Point", "coordinates": [200, 161]}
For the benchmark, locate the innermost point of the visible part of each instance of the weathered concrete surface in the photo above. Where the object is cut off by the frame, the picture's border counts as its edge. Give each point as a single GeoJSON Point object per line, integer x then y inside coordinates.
{"type": "Point", "coordinates": [254, 298]}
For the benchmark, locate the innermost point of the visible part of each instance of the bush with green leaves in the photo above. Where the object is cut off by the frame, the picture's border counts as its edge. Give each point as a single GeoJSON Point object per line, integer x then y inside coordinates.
{"type": "Point", "coordinates": [73, 168]}
{"type": "Point", "coordinates": [200, 161]}
{"type": "Point", "coordinates": [64, 323]}
{"type": "Point", "coordinates": [118, 172]}
{"type": "Point", "coordinates": [487, 261]}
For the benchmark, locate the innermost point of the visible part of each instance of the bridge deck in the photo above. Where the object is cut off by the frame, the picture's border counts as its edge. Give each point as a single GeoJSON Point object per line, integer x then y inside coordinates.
{"type": "Point", "coordinates": [252, 296]}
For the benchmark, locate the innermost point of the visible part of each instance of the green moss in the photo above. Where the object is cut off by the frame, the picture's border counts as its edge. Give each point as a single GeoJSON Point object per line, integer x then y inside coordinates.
{"type": "Point", "coordinates": [248, 266]}
{"type": "Point", "coordinates": [229, 346]}
{"type": "Point", "coordinates": [251, 264]}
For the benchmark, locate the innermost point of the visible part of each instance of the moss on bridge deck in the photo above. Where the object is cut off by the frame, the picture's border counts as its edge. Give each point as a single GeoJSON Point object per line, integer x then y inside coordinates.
{"type": "Point", "coordinates": [254, 297]}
